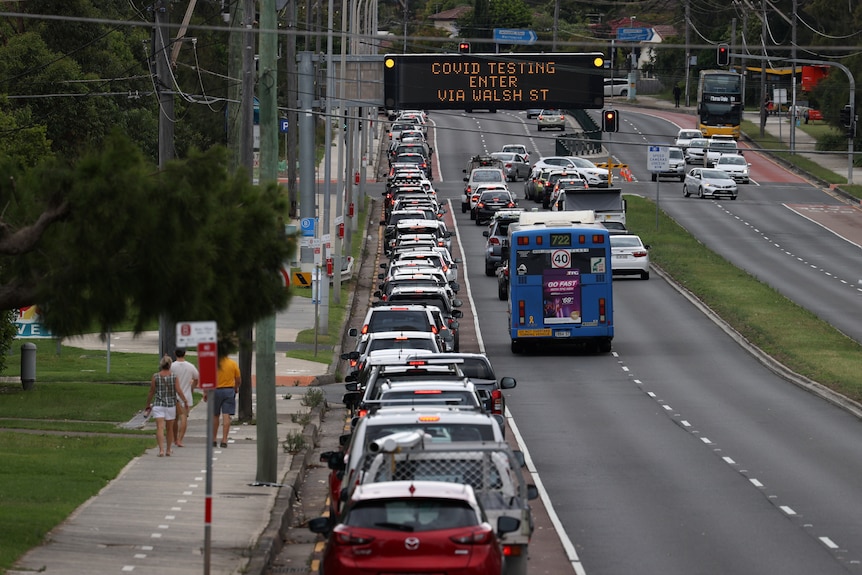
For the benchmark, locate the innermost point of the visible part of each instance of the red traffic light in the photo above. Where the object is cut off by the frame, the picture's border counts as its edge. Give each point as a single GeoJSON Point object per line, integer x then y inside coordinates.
{"type": "Point", "coordinates": [464, 47]}
{"type": "Point", "coordinates": [723, 55]}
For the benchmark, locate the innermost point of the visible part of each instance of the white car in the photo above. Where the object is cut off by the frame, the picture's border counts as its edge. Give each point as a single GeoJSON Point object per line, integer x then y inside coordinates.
{"type": "Point", "coordinates": [676, 165]}
{"type": "Point", "coordinates": [684, 136]}
{"type": "Point", "coordinates": [695, 150]}
{"type": "Point", "coordinates": [517, 149]}
{"type": "Point", "coordinates": [477, 177]}
{"type": "Point", "coordinates": [719, 147]}
{"type": "Point", "coordinates": [735, 166]}
{"type": "Point", "coordinates": [630, 256]}
{"type": "Point", "coordinates": [709, 183]}
{"type": "Point", "coordinates": [596, 177]}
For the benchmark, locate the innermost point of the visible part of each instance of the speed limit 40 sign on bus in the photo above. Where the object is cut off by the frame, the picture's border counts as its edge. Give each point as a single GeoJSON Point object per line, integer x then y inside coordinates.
{"type": "Point", "coordinates": [561, 259]}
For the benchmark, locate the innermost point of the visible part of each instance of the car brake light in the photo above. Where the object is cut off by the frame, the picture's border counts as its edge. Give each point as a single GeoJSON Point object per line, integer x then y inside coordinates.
{"type": "Point", "coordinates": [639, 254]}
{"type": "Point", "coordinates": [494, 241]}
{"type": "Point", "coordinates": [365, 329]}
{"type": "Point", "coordinates": [429, 418]}
{"type": "Point", "coordinates": [416, 363]}
{"type": "Point", "coordinates": [510, 205]}
{"type": "Point", "coordinates": [509, 165]}
{"type": "Point", "coordinates": [362, 412]}
{"type": "Point", "coordinates": [427, 392]}
{"type": "Point", "coordinates": [343, 536]}
{"type": "Point", "coordinates": [497, 401]}
{"type": "Point", "coordinates": [480, 205]}
{"type": "Point", "coordinates": [511, 550]}
{"type": "Point", "coordinates": [479, 535]}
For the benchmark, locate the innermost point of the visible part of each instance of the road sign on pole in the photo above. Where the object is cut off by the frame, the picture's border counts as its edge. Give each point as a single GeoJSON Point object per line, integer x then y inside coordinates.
{"type": "Point", "coordinates": [635, 34]}
{"type": "Point", "coordinates": [658, 158]}
{"type": "Point", "coordinates": [194, 332]}
{"type": "Point", "coordinates": [514, 36]}
{"type": "Point", "coordinates": [307, 226]}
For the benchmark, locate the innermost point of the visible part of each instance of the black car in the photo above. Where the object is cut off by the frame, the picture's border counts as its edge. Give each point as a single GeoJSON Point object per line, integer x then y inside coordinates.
{"type": "Point", "coordinates": [493, 201]}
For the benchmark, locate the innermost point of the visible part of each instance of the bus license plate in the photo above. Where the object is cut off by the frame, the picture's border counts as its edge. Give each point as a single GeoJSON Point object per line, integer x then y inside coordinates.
{"type": "Point", "coordinates": [562, 333]}
{"type": "Point", "coordinates": [534, 332]}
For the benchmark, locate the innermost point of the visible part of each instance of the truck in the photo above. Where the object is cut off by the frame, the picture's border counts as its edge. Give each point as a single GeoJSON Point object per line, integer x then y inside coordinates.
{"type": "Point", "coordinates": [492, 469]}
{"type": "Point", "coordinates": [607, 203]}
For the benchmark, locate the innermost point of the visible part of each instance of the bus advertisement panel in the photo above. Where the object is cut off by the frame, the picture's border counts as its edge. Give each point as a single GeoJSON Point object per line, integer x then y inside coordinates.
{"type": "Point", "coordinates": [560, 286]}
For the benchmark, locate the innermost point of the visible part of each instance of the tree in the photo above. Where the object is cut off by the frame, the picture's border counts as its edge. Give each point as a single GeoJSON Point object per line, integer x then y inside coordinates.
{"type": "Point", "coordinates": [112, 238]}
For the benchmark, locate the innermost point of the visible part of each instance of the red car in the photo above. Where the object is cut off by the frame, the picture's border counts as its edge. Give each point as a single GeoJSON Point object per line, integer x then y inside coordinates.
{"type": "Point", "coordinates": [413, 526]}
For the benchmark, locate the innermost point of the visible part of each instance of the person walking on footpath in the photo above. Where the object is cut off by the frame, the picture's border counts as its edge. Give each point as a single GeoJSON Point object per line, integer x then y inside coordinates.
{"type": "Point", "coordinates": [227, 386]}
{"type": "Point", "coordinates": [188, 376]}
{"type": "Point", "coordinates": [162, 402]}
{"type": "Point", "coordinates": [677, 93]}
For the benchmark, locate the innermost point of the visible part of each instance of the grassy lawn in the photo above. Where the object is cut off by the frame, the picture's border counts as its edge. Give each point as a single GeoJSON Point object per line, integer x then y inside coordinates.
{"type": "Point", "coordinates": [782, 329]}
{"type": "Point", "coordinates": [71, 395]}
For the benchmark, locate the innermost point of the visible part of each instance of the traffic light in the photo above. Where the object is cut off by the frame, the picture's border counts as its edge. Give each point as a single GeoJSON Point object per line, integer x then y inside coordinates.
{"type": "Point", "coordinates": [722, 56]}
{"type": "Point", "coordinates": [846, 116]}
{"type": "Point", "coordinates": [464, 47]}
{"type": "Point", "coordinates": [610, 121]}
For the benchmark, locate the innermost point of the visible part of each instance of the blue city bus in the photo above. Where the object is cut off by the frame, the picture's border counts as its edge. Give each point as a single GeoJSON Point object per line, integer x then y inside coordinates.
{"type": "Point", "coordinates": [560, 288]}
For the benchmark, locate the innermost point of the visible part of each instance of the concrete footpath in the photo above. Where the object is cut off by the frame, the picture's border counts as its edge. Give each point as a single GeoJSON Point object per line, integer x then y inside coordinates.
{"type": "Point", "coordinates": [150, 519]}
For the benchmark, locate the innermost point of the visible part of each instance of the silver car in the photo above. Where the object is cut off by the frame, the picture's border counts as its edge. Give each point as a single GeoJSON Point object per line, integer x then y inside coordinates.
{"type": "Point", "coordinates": [515, 166]}
{"type": "Point", "coordinates": [551, 119]}
{"type": "Point", "coordinates": [696, 150]}
{"type": "Point", "coordinates": [709, 183]}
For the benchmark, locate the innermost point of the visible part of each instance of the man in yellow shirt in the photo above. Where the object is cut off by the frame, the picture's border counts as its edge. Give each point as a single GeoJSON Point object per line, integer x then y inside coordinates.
{"type": "Point", "coordinates": [227, 387]}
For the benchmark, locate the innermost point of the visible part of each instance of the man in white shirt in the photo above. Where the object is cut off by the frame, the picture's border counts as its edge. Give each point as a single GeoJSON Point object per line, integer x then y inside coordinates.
{"type": "Point", "coordinates": [188, 378]}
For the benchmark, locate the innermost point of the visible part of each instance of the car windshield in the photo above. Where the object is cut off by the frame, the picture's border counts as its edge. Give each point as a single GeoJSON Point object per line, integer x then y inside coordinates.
{"type": "Point", "coordinates": [506, 157]}
{"type": "Point", "coordinates": [400, 343]}
{"type": "Point", "coordinates": [487, 176]}
{"type": "Point", "coordinates": [698, 142]}
{"type": "Point", "coordinates": [715, 174]}
{"type": "Point", "coordinates": [582, 163]}
{"type": "Point", "coordinates": [676, 154]}
{"type": "Point", "coordinates": [476, 368]}
{"type": "Point", "coordinates": [411, 515]}
{"type": "Point", "coordinates": [688, 134]}
{"type": "Point", "coordinates": [401, 320]}
{"type": "Point", "coordinates": [722, 146]}
{"type": "Point", "coordinates": [515, 149]}
{"type": "Point", "coordinates": [732, 160]}
{"type": "Point", "coordinates": [495, 197]}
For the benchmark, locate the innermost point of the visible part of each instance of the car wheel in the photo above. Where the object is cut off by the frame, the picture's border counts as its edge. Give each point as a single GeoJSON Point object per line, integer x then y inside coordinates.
{"type": "Point", "coordinates": [472, 214]}
{"type": "Point", "coordinates": [700, 193]}
{"type": "Point", "coordinates": [517, 347]}
{"type": "Point", "coordinates": [624, 93]}
{"type": "Point", "coordinates": [732, 197]}
{"type": "Point", "coordinates": [478, 221]}
{"type": "Point", "coordinates": [457, 342]}
{"type": "Point", "coordinates": [502, 291]}
{"type": "Point", "coordinates": [546, 205]}
{"type": "Point", "coordinates": [489, 269]}
{"type": "Point", "coordinates": [540, 128]}
{"type": "Point", "coordinates": [644, 275]}
{"type": "Point", "coordinates": [682, 178]}
{"type": "Point", "coordinates": [605, 345]}
{"type": "Point", "coordinates": [463, 208]}
{"type": "Point", "coordinates": [685, 192]}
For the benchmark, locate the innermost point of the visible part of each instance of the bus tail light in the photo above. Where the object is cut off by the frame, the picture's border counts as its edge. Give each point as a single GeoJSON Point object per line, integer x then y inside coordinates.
{"type": "Point", "coordinates": [521, 312]}
{"type": "Point", "coordinates": [523, 241]}
{"type": "Point", "coordinates": [602, 310]}
{"type": "Point", "coordinates": [598, 239]}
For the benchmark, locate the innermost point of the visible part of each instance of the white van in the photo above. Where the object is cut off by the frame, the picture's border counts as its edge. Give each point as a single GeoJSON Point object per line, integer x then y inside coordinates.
{"type": "Point", "coordinates": [616, 87]}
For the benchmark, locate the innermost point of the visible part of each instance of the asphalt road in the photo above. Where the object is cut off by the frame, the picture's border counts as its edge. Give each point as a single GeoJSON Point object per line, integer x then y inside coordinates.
{"type": "Point", "coordinates": [679, 452]}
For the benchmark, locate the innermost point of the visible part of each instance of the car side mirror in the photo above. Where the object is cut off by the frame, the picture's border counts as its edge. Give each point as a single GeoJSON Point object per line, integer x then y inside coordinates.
{"type": "Point", "coordinates": [466, 179]}
{"type": "Point", "coordinates": [456, 287]}
{"type": "Point", "coordinates": [454, 324]}
{"type": "Point", "coordinates": [350, 377]}
{"type": "Point", "coordinates": [505, 524]}
{"type": "Point", "coordinates": [382, 222]}
{"type": "Point", "coordinates": [457, 303]}
{"type": "Point", "coordinates": [352, 386]}
{"type": "Point", "coordinates": [381, 276]}
{"type": "Point", "coordinates": [486, 233]}
{"type": "Point", "coordinates": [378, 294]}
{"type": "Point", "coordinates": [351, 399]}
{"type": "Point", "coordinates": [350, 355]}
{"type": "Point", "coordinates": [344, 439]}
{"type": "Point", "coordinates": [323, 525]}
{"type": "Point", "coordinates": [352, 332]}
{"type": "Point", "coordinates": [383, 266]}
{"type": "Point", "coordinates": [457, 313]}
{"type": "Point", "coordinates": [532, 492]}
{"type": "Point", "coordinates": [520, 459]}
{"type": "Point", "coordinates": [508, 382]}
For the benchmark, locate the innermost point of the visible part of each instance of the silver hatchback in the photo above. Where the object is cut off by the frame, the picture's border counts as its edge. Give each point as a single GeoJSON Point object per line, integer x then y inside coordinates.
{"type": "Point", "coordinates": [551, 119]}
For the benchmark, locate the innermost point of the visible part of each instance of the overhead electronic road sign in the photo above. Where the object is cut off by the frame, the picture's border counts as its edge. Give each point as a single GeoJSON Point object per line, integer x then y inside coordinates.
{"type": "Point", "coordinates": [499, 81]}
{"type": "Point", "coordinates": [635, 34]}
{"type": "Point", "coordinates": [514, 36]}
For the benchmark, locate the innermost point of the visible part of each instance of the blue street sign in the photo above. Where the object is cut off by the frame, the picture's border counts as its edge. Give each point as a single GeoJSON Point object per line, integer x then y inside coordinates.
{"type": "Point", "coordinates": [282, 125]}
{"type": "Point", "coordinates": [514, 36]}
{"type": "Point", "coordinates": [308, 225]}
{"type": "Point", "coordinates": [635, 34]}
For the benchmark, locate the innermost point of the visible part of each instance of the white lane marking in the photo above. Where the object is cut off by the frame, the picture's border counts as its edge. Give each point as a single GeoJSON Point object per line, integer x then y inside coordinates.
{"type": "Point", "coordinates": [728, 460]}
{"type": "Point", "coordinates": [787, 510]}
{"type": "Point", "coordinates": [568, 546]}
{"type": "Point", "coordinates": [755, 482]}
{"type": "Point", "coordinates": [828, 542]}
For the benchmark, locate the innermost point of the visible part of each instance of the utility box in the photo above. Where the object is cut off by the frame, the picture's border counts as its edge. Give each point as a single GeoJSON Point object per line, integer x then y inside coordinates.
{"type": "Point", "coordinates": [28, 365]}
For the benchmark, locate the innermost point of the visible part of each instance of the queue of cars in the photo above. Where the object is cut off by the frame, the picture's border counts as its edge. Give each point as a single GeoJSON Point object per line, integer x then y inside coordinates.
{"type": "Point", "coordinates": [723, 165]}
{"type": "Point", "coordinates": [405, 487]}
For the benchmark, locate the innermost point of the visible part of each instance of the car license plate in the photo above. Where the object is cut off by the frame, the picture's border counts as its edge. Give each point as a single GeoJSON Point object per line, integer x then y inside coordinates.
{"type": "Point", "coordinates": [620, 256]}
{"type": "Point", "coordinates": [562, 333]}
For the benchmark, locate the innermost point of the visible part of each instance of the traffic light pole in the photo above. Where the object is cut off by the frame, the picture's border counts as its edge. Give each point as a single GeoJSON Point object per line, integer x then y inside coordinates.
{"type": "Point", "coordinates": [852, 103]}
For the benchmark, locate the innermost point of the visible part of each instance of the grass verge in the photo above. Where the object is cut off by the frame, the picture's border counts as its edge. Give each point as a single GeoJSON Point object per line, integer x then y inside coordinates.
{"type": "Point", "coordinates": [68, 364]}
{"type": "Point", "coordinates": [782, 329]}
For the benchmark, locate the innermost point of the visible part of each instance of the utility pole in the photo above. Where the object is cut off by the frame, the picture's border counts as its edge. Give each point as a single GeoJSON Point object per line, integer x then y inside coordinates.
{"type": "Point", "coordinates": [161, 32]}
{"type": "Point", "coordinates": [292, 140]}
{"type": "Point", "coordinates": [763, 110]}
{"type": "Point", "coordinates": [795, 115]}
{"type": "Point", "coordinates": [687, 52]}
{"type": "Point", "coordinates": [267, 419]}
{"type": "Point", "coordinates": [245, 410]}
